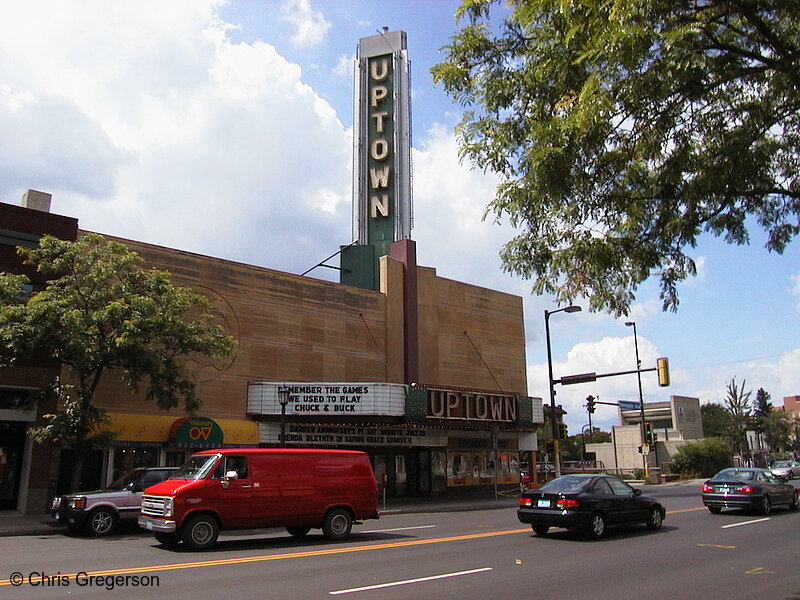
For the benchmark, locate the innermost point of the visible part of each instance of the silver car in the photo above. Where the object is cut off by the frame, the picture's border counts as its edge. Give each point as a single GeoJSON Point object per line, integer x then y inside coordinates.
{"type": "Point", "coordinates": [786, 469]}
{"type": "Point", "coordinates": [99, 512]}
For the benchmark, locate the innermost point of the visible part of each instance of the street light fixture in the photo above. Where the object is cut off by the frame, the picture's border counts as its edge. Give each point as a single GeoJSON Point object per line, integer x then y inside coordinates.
{"type": "Point", "coordinates": [283, 400]}
{"type": "Point", "coordinates": [553, 420]}
{"type": "Point", "coordinates": [641, 398]}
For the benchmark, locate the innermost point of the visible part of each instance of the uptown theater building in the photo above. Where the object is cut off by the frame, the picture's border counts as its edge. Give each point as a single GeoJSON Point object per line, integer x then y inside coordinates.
{"type": "Point", "coordinates": [425, 374]}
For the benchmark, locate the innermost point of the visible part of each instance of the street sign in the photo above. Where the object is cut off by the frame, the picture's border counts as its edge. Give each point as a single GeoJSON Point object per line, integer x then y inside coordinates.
{"type": "Point", "coordinates": [625, 405]}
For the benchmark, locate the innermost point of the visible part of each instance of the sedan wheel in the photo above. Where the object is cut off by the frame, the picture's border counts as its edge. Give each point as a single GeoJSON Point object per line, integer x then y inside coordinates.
{"type": "Point", "coordinates": [715, 509]}
{"type": "Point", "coordinates": [655, 520]}
{"type": "Point", "coordinates": [598, 526]}
{"type": "Point", "coordinates": [766, 505]}
{"type": "Point", "coordinates": [540, 530]}
{"type": "Point", "coordinates": [794, 504]}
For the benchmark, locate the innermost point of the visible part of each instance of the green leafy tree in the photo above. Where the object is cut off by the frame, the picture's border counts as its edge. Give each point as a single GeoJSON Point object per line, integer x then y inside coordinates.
{"type": "Point", "coordinates": [776, 429]}
{"type": "Point", "coordinates": [704, 457]}
{"type": "Point", "coordinates": [737, 403]}
{"type": "Point", "coordinates": [623, 130]}
{"type": "Point", "coordinates": [102, 312]}
{"type": "Point", "coordinates": [762, 407]}
{"type": "Point", "coordinates": [716, 420]}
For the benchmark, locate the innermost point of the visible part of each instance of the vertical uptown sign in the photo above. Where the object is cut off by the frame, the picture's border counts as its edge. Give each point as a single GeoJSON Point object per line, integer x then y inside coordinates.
{"type": "Point", "coordinates": [382, 211]}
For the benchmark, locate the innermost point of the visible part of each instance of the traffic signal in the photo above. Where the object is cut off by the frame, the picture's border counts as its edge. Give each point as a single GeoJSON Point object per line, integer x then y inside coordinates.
{"type": "Point", "coordinates": [590, 404]}
{"type": "Point", "coordinates": [549, 447]}
{"type": "Point", "coordinates": [562, 430]}
{"type": "Point", "coordinates": [662, 366]}
{"type": "Point", "coordinates": [648, 433]}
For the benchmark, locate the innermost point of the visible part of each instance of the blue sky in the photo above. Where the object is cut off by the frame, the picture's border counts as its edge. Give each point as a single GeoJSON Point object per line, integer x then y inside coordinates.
{"type": "Point", "coordinates": [225, 129]}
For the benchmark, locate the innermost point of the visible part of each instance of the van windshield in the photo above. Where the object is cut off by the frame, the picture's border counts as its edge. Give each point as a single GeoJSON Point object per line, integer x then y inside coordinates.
{"type": "Point", "coordinates": [197, 467]}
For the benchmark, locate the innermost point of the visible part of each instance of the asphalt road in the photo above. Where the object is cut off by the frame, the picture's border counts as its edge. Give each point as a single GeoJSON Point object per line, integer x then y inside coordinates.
{"type": "Point", "coordinates": [464, 555]}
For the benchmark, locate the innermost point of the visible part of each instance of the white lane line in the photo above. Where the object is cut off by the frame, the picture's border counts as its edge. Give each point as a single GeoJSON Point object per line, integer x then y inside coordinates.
{"type": "Point", "coordinates": [399, 529]}
{"type": "Point", "coordinates": [408, 581]}
{"type": "Point", "coordinates": [745, 523]}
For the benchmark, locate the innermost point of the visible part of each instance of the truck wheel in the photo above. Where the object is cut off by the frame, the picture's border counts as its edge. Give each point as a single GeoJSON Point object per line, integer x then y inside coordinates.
{"type": "Point", "coordinates": [200, 532]}
{"type": "Point", "coordinates": [167, 539]}
{"type": "Point", "coordinates": [337, 524]}
{"type": "Point", "coordinates": [298, 532]}
{"type": "Point", "coordinates": [101, 521]}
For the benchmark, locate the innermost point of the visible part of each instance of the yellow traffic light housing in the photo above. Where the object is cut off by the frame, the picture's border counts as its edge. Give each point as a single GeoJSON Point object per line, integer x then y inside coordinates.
{"type": "Point", "coordinates": [662, 366]}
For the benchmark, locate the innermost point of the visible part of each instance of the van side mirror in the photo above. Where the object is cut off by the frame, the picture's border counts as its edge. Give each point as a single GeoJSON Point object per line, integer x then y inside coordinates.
{"type": "Point", "coordinates": [229, 476]}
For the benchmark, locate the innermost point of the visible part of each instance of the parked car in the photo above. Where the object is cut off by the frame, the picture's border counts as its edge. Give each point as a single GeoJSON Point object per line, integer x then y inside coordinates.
{"type": "Point", "coordinates": [99, 512]}
{"type": "Point", "coordinates": [248, 488]}
{"type": "Point", "coordinates": [752, 489]}
{"type": "Point", "coordinates": [590, 503]}
{"type": "Point", "coordinates": [786, 469]}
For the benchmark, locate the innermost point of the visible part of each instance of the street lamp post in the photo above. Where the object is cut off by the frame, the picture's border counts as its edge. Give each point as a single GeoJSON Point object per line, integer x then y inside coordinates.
{"type": "Point", "coordinates": [551, 383]}
{"type": "Point", "coordinates": [283, 400]}
{"type": "Point", "coordinates": [641, 397]}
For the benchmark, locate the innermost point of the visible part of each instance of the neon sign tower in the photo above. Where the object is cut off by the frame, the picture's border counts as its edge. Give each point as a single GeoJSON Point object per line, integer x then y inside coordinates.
{"type": "Point", "coordinates": [382, 207]}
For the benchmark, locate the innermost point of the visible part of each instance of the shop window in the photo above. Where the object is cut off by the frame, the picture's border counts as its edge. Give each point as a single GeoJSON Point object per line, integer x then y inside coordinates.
{"type": "Point", "coordinates": [175, 458]}
{"type": "Point", "coordinates": [126, 459]}
{"type": "Point", "coordinates": [479, 468]}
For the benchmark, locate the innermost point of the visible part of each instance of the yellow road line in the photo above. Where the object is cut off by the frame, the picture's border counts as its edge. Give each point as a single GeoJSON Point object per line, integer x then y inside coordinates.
{"type": "Point", "coordinates": [265, 558]}
{"type": "Point", "coordinates": [685, 510]}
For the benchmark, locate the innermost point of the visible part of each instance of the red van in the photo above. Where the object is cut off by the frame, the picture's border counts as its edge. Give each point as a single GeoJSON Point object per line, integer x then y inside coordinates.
{"type": "Point", "coordinates": [247, 488]}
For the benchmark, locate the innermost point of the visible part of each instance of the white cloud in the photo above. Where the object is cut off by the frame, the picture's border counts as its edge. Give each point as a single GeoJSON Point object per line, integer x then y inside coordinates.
{"type": "Point", "coordinates": [609, 355]}
{"type": "Point", "coordinates": [190, 140]}
{"type": "Point", "coordinates": [310, 25]}
{"type": "Point", "coordinates": [344, 68]}
{"type": "Point", "coordinates": [796, 289]}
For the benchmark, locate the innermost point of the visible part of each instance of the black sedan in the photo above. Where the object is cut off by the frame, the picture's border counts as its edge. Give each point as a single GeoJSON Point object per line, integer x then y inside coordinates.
{"type": "Point", "coordinates": [588, 503]}
{"type": "Point", "coordinates": [753, 489]}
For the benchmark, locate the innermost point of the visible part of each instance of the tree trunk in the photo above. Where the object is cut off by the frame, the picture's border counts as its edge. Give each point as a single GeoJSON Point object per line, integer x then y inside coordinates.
{"type": "Point", "coordinates": [77, 470]}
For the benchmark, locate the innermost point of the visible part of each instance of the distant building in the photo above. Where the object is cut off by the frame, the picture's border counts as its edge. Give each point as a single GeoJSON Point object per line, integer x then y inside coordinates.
{"type": "Point", "coordinates": [791, 406]}
{"type": "Point", "coordinates": [673, 422]}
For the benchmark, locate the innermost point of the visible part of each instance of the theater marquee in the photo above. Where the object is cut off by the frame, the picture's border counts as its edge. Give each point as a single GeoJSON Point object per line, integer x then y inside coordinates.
{"type": "Point", "coordinates": [328, 399]}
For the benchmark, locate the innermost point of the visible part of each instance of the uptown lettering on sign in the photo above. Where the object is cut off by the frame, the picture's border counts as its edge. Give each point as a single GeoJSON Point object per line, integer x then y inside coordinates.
{"type": "Point", "coordinates": [472, 406]}
{"type": "Point", "coordinates": [380, 150]}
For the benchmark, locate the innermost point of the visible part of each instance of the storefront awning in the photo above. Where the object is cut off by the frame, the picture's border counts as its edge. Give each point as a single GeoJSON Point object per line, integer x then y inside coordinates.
{"type": "Point", "coordinates": [183, 432]}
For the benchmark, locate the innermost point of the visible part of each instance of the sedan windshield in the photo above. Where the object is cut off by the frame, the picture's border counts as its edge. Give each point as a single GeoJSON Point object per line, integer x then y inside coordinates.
{"type": "Point", "coordinates": [197, 467]}
{"type": "Point", "coordinates": [781, 464]}
{"type": "Point", "coordinates": [568, 483]}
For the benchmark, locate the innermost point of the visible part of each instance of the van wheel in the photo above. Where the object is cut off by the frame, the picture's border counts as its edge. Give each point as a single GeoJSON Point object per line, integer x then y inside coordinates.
{"type": "Point", "coordinates": [200, 532]}
{"type": "Point", "coordinates": [101, 521]}
{"type": "Point", "coordinates": [298, 532]}
{"type": "Point", "coordinates": [168, 539]}
{"type": "Point", "coordinates": [337, 524]}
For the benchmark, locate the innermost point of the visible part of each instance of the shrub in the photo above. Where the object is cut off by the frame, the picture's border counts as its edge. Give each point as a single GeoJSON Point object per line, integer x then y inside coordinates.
{"type": "Point", "coordinates": [706, 457]}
